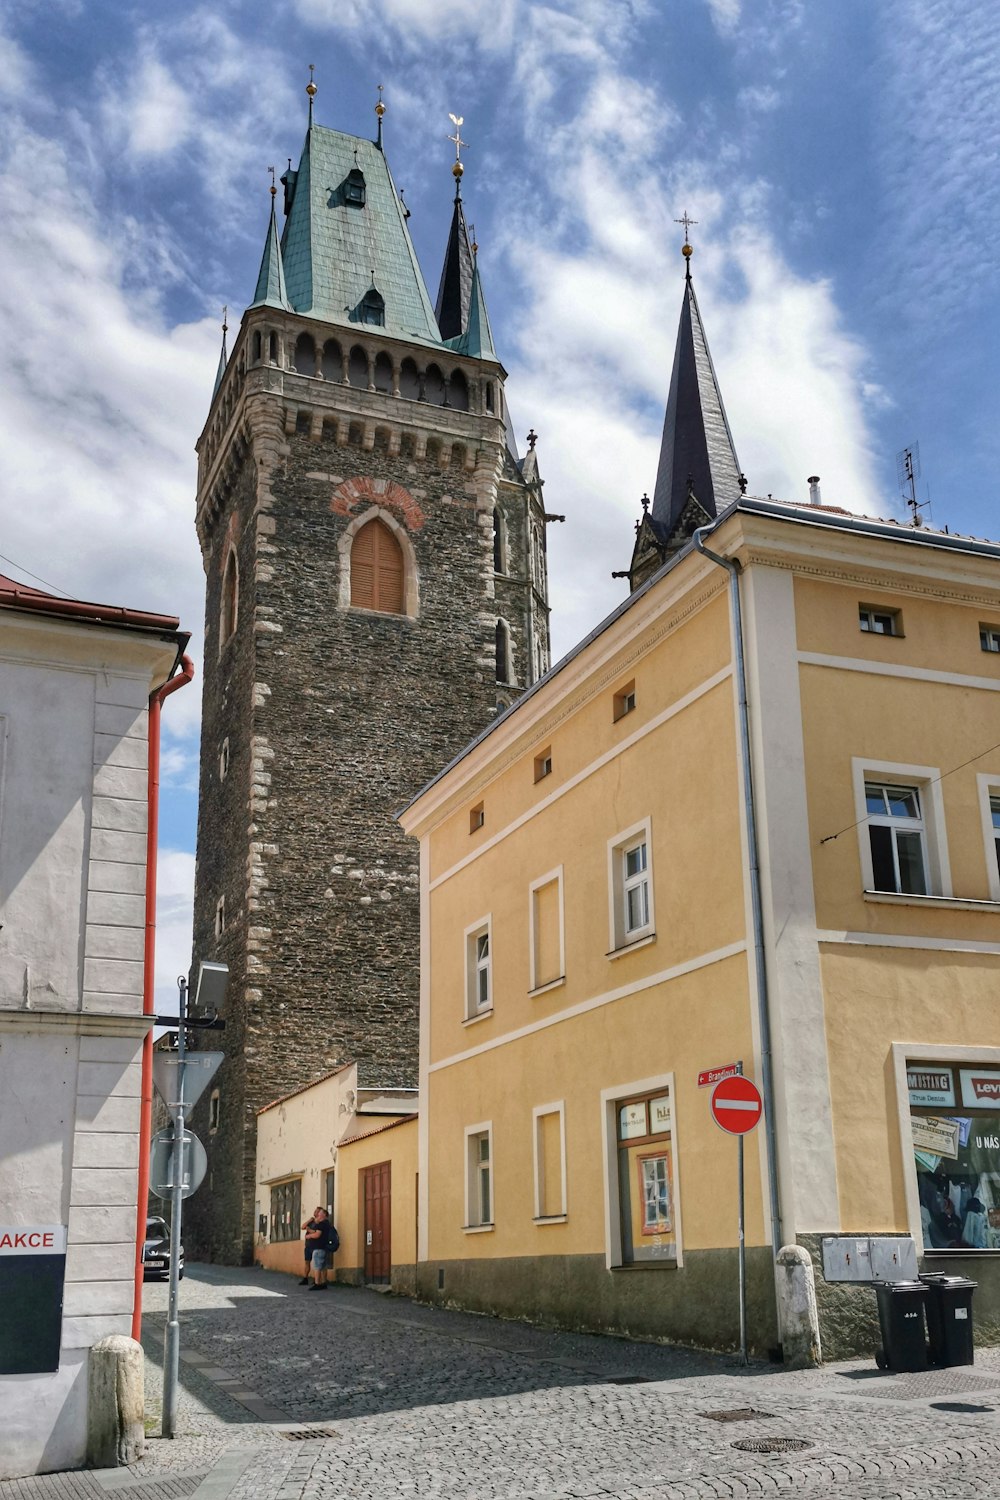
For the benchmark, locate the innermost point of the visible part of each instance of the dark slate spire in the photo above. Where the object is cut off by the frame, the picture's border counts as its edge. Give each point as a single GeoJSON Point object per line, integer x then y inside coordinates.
{"type": "Point", "coordinates": [223, 355]}
{"type": "Point", "coordinates": [271, 290]}
{"type": "Point", "coordinates": [697, 456]}
{"type": "Point", "coordinates": [455, 292]}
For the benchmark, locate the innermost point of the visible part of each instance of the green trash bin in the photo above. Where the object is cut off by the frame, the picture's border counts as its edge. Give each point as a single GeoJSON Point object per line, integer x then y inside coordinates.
{"type": "Point", "coordinates": [949, 1318]}
{"type": "Point", "coordinates": [901, 1319]}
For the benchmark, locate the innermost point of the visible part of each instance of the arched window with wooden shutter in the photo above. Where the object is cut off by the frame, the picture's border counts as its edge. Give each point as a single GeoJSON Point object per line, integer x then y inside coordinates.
{"type": "Point", "coordinates": [377, 569]}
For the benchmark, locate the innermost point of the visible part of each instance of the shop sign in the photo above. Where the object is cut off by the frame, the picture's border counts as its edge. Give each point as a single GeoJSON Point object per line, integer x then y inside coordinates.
{"type": "Point", "coordinates": [659, 1114]}
{"type": "Point", "coordinates": [32, 1239]}
{"type": "Point", "coordinates": [981, 1087]}
{"type": "Point", "coordinates": [931, 1087]}
{"type": "Point", "coordinates": [632, 1120]}
{"type": "Point", "coordinates": [940, 1137]}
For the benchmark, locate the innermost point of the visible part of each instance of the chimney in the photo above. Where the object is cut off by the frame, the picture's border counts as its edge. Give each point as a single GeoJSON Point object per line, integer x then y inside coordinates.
{"type": "Point", "coordinates": [813, 482]}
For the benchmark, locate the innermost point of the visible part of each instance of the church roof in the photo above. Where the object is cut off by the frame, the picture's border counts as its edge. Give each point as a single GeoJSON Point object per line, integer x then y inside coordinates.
{"type": "Point", "coordinates": [346, 232]}
{"type": "Point", "coordinates": [452, 310]}
{"type": "Point", "coordinates": [271, 290]}
{"type": "Point", "coordinates": [696, 453]}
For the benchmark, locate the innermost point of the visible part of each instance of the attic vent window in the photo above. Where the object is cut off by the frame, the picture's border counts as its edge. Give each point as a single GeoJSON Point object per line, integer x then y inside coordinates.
{"type": "Point", "coordinates": [373, 308]}
{"type": "Point", "coordinates": [354, 188]}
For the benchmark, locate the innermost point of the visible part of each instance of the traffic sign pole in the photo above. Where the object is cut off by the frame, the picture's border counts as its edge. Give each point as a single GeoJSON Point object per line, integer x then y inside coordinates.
{"type": "Point", "coordinates": [736, 1108]}
{"type": "Point", "coordinates": [171, 1342]}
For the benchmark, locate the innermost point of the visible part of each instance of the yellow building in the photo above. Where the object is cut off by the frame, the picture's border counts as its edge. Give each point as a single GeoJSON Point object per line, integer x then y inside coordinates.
{"type": "Point", "coordinates": [594, 938]}
{"type": "Point", "coordinates": [352, 1151]}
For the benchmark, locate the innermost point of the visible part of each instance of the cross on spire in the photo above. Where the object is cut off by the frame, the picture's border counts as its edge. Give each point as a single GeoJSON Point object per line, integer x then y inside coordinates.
{"type": "Point", "coordinates": [687, 222]}
{"type": "Point", "coordinates": [457, 169]}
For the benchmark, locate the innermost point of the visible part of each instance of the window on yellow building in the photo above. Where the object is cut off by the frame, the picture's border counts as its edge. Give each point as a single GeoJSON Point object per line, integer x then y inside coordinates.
{"type": "Point", "coordinates": [545, 918]}
{"type": "Point", "coordinates": [989, 802]}
{"type": "Point", "coordinates": [479, 1177]}
{"type": "Point", "coordinates": [478, 969]}
{"type": "Point", "coordinates": [550, 1163]}
{"type": "Point", "coordinates": [989, 637]}
{"type": "Point", "coordinates": [543, 764]}
{"type": "Point", "coordinates": [286, 1210]}
{"type": "Point", "coordinates": [896, 833]}
{"type": "Point", "coordinates": [876, 621]}
{"type": "Point", "coordinates": [630, 879]}
{"type": "Point", "coordinates": [624, 701]}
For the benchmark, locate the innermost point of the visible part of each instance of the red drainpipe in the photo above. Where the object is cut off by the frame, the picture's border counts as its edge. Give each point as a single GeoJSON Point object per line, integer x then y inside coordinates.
{"type": "Point", "coordinates": [183, 677]}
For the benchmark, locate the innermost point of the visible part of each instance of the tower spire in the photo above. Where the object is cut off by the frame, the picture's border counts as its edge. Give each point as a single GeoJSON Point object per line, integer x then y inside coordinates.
{"type": "Point", "coordinates": [271, 290]}
{"type": "Point", "coordinates": [311, 91]}
{"type": "Point", "coordinates": [223, 355]}
{"type": "Point", "coordinates": [455, 292]}
{"type": "Point", "coordinates": [697, 457]}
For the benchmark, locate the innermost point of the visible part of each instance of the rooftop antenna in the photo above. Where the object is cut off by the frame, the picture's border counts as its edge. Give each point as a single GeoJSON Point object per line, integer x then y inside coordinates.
{"type": "Point", "coordinates": [908, 472]}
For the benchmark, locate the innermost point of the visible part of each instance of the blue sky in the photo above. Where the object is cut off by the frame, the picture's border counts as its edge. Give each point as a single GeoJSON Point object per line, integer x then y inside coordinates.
{"type": "Point", "coordinates": [841, 161]}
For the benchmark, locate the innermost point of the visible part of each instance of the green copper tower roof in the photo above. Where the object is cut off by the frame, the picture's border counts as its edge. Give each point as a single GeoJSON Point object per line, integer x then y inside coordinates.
{"type": "Point", "coordinates": [271, 290]}
{"type": "Point", "coordinates": [477, 340]}
{"type": "Point", "coordinates": [346, 233]}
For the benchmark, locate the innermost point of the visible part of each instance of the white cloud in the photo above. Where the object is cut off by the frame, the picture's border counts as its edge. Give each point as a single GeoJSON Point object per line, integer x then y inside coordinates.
{"type": "Point", "coordinates": [725, 15]}
{"type": "Point", "coordinates": [174, 903]}
{"type": "Point", "coordinates": [18, 75]}
{"type": "Point", "coordinates": [761, 98]}
{"type": "Point", "coordinates": [156, 111]}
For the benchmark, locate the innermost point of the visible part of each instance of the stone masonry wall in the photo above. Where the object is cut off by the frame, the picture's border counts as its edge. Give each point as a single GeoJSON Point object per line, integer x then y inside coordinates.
{"type": "Point", "coordinates": [336, 718]}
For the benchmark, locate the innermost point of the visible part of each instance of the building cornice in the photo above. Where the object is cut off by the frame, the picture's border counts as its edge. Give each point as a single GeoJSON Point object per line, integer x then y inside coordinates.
{"type": "Point", "coordinates": [77, 1022]}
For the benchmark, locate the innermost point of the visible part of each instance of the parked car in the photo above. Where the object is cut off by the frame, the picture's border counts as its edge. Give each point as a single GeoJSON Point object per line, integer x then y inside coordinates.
{"type": "Point", "coordinates": [156, 1251]}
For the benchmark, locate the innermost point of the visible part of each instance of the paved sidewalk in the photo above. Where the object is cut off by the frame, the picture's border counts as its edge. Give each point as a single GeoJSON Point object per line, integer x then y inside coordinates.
{"type": "Point", "coordinates": [292, 1395]}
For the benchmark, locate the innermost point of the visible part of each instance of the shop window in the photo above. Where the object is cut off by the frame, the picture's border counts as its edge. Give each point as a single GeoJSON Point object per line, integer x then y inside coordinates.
{"type": "Point", "coordinates": [955, 1130]}
{"type": "Point", "coordinates": [478, 969]}
{"type": "Point", "coordinates": [550, 1163]}
{"type": "Point", "coordinates": [286, 1210]}
{"type": "Point", "coordinates": [896, 835]}
{"type": "Point", "coordinates": [646, 1228]}
{"type": "Point", "coordinates": [875, 621]}
{"type": "Point", "coordinates": [545, 923]}
{"type": "Point", "coordinates": [479, 1177]}
{"type": "Point", "coordinates": [630, 881]}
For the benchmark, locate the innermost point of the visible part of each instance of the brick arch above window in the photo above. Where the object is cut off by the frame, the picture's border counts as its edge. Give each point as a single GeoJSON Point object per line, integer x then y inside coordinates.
{"type": "Point", "coordinates": [386, 494]}
{"type": "Point", "coordinates": [378, 565]}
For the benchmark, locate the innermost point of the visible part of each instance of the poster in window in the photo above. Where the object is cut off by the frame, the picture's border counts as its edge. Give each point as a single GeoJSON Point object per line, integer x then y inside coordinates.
{"type": "Point", "coordinates": [654, 1193]}
{"type": "Point", "coordinates": [981, 1088]}
{"type": "Point", "coordinates": [930, 1087]}
{"type": "Point", "coordinates": [935, 1137]}
{"type": "Point", "coordinates": [632, 1120]}
{"type": "Point", "coordinates": [659, 1114]}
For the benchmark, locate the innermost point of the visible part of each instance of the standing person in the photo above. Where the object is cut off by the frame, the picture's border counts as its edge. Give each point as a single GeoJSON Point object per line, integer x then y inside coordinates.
{"type": "Point", "coordinates": [309, 1245]}
{"type": "Point", "coordinates": [323, 1239]}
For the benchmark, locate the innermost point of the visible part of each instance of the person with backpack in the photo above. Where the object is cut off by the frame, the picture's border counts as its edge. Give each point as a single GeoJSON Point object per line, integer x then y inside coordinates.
{"type": "Point", "coordinates": [325, 1242]}
{"type": "Point", "coordinates": [307, 1244]}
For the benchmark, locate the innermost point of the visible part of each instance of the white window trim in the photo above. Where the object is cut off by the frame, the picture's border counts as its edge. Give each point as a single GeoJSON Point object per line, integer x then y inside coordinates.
{"type": "Point", "coordinates": [473, 1011]}
{"type": "Point", "coordinates": [536, 885]}
{"type": "Point", "coordinates": [618, 941]}
{"type": "Point", "coordinates": [540, 1110]}
{"type": "Point", "coordinates": [989, 785]}
{"type": "Point", "coordinates": [905, 1054]}
{"type": "Point", "coordinates": [663, 1082]}
{"type": "Point", "coordinates": [927, 781]}
{"type": "Point", "coordinates": [485, 1127]}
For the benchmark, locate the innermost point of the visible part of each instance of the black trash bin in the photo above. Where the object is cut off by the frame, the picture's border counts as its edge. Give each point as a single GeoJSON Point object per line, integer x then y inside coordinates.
{"type": "Point", "coordinates": [949, 1318]}
{"type": "Point", "coordinates": [901, 1318]}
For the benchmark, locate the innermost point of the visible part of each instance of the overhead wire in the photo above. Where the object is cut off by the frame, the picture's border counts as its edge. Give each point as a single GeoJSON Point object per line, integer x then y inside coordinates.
{"type": "Point", "coordinates": [934, 781]}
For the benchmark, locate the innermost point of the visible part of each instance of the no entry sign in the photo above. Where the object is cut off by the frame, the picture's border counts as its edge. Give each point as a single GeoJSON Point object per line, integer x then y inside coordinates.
{"type": "Point", "coordinates": [737, 1105]}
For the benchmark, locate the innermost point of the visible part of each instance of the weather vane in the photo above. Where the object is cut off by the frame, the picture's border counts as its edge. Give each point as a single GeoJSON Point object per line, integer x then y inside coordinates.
{"type": "Point", "coordinates": [274, 190]}
{"type": "Point", "coordinates": [458, 121]}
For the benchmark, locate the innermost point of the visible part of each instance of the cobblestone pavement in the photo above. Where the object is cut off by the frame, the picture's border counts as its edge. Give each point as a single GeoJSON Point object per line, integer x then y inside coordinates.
{"type": "Point", "coordinates": [290, 1396]}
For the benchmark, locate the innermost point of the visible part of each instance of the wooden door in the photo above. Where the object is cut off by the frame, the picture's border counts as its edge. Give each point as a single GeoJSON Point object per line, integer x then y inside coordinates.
{"type": "Point", "coordinates": [378, 1223]}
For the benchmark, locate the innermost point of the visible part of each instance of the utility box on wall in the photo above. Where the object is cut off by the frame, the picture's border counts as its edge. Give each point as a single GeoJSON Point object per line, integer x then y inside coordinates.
{"type": "Point", "coordinates": [32, 1273]}
{"type": "Point", "coordinates": [869, 1258]}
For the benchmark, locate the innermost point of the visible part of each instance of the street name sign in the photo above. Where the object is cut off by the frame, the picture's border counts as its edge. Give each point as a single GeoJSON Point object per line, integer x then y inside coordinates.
{"type": "Point", "coordinates": [737, 1105]}
{"type": "Point", "coordinates": [712, 1076]}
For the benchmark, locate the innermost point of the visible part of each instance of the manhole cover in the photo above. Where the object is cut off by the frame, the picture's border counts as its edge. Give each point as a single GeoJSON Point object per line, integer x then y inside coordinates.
{"type": "Point", "coordinates": [302, 1433]}
{"type": "Point", "coordinates": [772, 1445]}
{"type": "Point", "coordinates": [738, 1414]}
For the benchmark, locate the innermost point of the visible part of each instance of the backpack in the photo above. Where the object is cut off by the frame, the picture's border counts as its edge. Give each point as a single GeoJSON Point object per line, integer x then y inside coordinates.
{"type": "Point", "coordinates": [334, 1239]}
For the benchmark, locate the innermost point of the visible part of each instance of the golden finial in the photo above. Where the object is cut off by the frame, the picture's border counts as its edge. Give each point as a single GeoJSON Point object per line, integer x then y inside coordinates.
{"type": "Point", "coordinates": [475, 247]}
{"type": "Point", "coordinates": [380, 107]}
{"type": "Point", "coordinates": [457, 169]}
{"type": "Point", "coordinates": [225, 320]}
{"type": "Point", "coordinates": [311, 85]}
{"type": "Point", "coordinates": [274, 190]}
{"type": "Point", "coordinates": [686, 249]}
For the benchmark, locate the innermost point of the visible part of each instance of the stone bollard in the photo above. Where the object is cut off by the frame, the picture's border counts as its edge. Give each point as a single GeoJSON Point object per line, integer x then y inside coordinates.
{"type": "Point", "coordinates": [116, 1434]}
{"type": "Point", "coordinates": [798, 1316]}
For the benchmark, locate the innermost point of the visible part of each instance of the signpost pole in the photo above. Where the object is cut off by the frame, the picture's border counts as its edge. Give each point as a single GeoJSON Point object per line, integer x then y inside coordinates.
{"type": "Point", "coordinates": [742, 1253]}
{"type": "Point", "coordinates": [171, 1342]}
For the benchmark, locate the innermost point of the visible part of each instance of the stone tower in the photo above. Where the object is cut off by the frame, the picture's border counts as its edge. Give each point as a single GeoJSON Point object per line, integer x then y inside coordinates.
{"type": "Point", "coordinates": [374, 551]}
